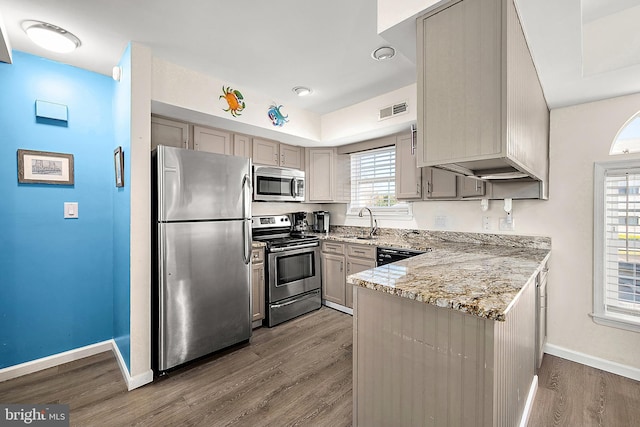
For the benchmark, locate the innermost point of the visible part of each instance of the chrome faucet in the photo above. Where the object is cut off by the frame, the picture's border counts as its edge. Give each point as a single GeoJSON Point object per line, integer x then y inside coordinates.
{"type": "Point", "coordinates": [373, 223]}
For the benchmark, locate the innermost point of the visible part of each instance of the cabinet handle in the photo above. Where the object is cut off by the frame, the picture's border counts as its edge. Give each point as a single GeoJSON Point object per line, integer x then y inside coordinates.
{"type": "Point", "coordinates": [186, 143]}
{"type": "Point", "coordinates": [282, 159]}
{"type": "Point", "coordinates": [275, 158]}
{"type": "Point", "coordinates": [413, 139]}
{"type": "Point", "coordinates": [341, 266]}
{"type": "Point", "coordinates": [358, 252]}
{"type": "Point", "coordinates": [417, 188]}
{"type": "Point", "coordinates": [348, 267]}
{"type": "Point", "coordinates": [428, 187]}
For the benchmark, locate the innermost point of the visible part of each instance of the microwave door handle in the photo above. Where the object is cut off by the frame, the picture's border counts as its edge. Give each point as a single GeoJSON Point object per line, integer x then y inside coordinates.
{"type": "Point", "coordinates": [293, 187]}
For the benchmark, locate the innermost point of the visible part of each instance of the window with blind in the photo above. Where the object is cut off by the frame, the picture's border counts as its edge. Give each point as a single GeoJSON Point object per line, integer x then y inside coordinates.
{"type": "Point", "coordinates": [617, 244]}
{"type": "Point", "coordinates": [373, 183]}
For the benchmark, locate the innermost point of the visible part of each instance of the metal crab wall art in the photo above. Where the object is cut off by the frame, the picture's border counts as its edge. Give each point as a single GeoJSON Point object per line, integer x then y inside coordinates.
{"type": "Point", "coordinates": [276, 116]}
{"type": "Point", "coordinates": [234, 99]}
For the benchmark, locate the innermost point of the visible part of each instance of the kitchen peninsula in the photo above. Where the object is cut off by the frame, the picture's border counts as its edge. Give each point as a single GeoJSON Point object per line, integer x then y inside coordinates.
{"type": "Point", "coordinates": [447, 337]}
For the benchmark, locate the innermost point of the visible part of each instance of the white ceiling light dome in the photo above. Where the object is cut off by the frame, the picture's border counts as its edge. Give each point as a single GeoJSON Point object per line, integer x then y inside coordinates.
{"type": "Point", "coordinates": [51, 37]}
{"type": "Point", "coordinates": [383, 53]}
{"type": "Point", "coordinates": [302, 90]}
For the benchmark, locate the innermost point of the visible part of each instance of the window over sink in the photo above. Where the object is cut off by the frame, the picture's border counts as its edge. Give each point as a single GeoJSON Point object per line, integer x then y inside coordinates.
{"type": "Point", "coordinates": [373, 181]}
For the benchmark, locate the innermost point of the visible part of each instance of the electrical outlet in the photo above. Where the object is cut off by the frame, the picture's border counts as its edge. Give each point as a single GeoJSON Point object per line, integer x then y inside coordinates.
{"type": "Point", "coordinates": [441, 221]}
{"type": "Point", "coordinates": [507, 224]}
{"type": "Point", "coordinates": [486, 223]}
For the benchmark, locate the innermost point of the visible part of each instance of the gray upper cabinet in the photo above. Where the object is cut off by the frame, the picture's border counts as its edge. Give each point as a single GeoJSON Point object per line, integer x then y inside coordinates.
{"type": "Point", "coordinates": [439, 184]}
{"type": "Point", "coordinates": [320, 175]}
{"type": "Point", "coordinates": [408, 175]}
{"type": "Point", "coordinates": [290, 156]}
{"type": "Point", "coordinates": [481, 109]}
{"type": "Point", "coordinates": [241, 145]}
{"type": "Point", "coordinates": [266, 152]}
{"type": "Point", "coordinates": [211, 140]}
{"type": "Point", "coordinates": [169, 132]}
{"type": "Point", "coordinates": [470, 187]}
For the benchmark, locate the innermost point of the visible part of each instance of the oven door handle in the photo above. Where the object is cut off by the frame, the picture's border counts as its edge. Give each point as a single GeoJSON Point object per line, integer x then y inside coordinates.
{"type": "Point", "coordinates": [292, 248]}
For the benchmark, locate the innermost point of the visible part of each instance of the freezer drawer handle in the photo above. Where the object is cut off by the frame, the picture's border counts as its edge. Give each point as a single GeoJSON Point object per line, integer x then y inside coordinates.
{"type": "Point", "coordinates": [284, 304]}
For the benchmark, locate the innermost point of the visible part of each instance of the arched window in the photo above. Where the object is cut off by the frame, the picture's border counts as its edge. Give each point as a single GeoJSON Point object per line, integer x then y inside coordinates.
{"type": "Point", "coordinates": [628, 138]}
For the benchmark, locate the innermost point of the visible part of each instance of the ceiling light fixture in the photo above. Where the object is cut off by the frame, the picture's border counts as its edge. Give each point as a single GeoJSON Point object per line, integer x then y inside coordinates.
{"type": "Point", "coordinates": [51, 37]}
{"type": "Point", "coordinates": [301, 91]}
{"type": "Point", "coordinates": [383, 53]}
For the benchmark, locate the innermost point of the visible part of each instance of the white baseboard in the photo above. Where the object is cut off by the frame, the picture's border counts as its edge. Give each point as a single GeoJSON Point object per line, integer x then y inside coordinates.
{"type": "Point", "coordinates": [32, 366]}
{"type": "Point", "coordinates": [529, 405]}
{"type": "Point", "coordinates": [594, 362]}
{"type": "Point", "coordinates": [338, 307]}
{"type": "Point", "coordinates": [132, 382]}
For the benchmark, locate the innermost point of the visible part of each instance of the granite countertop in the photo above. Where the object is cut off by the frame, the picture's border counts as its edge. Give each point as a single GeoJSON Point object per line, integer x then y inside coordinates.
{"type": "Point", "coordinates": [476, 273]}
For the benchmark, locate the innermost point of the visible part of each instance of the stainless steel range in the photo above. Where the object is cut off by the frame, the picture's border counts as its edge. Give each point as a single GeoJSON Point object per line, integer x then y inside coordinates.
{"type": "Point", "coordinates": [292, 269]}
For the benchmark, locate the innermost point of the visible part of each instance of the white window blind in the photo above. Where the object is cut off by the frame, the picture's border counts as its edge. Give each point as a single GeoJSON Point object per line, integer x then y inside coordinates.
{"type": "Point", "coordinates": [373, 182]}
{"type": "Point", "coordinates": [617, 243]}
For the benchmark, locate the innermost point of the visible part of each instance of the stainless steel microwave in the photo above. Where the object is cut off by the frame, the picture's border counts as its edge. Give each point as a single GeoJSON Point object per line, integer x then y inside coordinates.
{"type": "Point", "coordinates": [273, 184]}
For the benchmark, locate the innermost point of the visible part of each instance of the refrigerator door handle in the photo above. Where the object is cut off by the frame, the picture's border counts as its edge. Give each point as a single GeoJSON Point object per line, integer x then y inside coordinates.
{"type": "Point", "coordinates": [246, 184]}
{"type": "Point", "coordinates": [246, 235]}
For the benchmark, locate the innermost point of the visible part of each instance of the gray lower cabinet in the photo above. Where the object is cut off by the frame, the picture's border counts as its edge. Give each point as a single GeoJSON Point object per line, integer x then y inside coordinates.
{"type": "Point", "coordinates": [359, 258]}
{"type": "Point", "coordinates": [333, 272]}
{"type": "Point", "coordinates": [338, 261]}
{"type": "Point", "coordinates": [257, 285]}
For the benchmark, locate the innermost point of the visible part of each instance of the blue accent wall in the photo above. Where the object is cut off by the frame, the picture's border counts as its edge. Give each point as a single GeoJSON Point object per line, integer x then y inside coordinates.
{"type": "Point", "coordinates": [122, 213]}
{"type": "Point", "coordinates": [57, 275]}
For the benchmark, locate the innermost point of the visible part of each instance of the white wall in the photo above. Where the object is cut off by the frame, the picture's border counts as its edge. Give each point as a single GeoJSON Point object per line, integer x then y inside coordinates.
{"type": "Point", "coordinates": [176, 86]}
{"type": "Point", "coordinates": [580, 136]}
{"type": "Point", "coordinates": [140, 214]}
{"type": "Point", "coordinates": [389, 14]}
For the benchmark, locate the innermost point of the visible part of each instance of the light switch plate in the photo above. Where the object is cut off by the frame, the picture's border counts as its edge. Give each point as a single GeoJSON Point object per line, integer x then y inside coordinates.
{"type": "Point", "coordinates": [71, 209]}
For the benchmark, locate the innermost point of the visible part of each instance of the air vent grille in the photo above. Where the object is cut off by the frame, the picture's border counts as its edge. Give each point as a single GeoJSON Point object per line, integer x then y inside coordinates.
{"type": "Point", "coordinates": [393, 110]}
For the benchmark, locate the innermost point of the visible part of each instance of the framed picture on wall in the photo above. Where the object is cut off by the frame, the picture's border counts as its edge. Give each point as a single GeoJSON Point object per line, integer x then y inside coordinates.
{"type": "Point", "coordinates": [43, 167]}
{"type": "Point", "coordinates": [118, 163]}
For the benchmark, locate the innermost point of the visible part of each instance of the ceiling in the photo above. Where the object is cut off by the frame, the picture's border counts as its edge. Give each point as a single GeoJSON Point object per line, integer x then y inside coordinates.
{"type": "Point", "coordinates": [270, 47]}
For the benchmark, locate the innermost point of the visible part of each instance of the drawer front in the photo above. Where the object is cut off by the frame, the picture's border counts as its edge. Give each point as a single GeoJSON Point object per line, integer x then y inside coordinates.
{"type": "Point", "coordinates": [332, 247]}
{"type": "Point", "coordinates": [362, 251]}
{"type": "Point", "coordinates": [257, 255]}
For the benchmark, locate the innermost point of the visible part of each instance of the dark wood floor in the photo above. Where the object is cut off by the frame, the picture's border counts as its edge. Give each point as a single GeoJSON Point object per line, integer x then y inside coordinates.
{"type": "Point", "coordinates": [297, 374]}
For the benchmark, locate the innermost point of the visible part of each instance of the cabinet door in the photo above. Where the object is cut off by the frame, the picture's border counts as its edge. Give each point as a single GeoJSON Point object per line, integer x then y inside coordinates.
{"type": "Point", "coordinates": [459, 83]}
{"type": "Point", "coordinates": [241, 145]}
{"type": "Point", "coordinates": [333, 278]}
{"type": "Point", "coordinates": [356, 265]}
{"type": "Point", "coordinates": [470, 187]}
{"type": "Point", "coordinates": [290, 156]}
{"type": "Point", "coordinates": [439, 184]}
{"type": "Point", "coordinates": [320, 175]}
{"type": "Point", "coordinates": [408, 175]}
{"type": "Point", "coordinates": [211, 140]}
{"type": "Point", "coordinates": [265, 152]}
{"type": "Point", "coordinates": [257, 291]}
{"type": "Point", "coordinates": [169, 133]}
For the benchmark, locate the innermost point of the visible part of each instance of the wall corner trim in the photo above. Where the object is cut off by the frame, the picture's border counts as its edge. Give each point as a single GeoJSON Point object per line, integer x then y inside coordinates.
{"type": "Point", "coordinates": [133, 382]}
{"type": "Point", "coordinates": [593, 361]}
{"type": "Point", "coordinates": [32, 366]}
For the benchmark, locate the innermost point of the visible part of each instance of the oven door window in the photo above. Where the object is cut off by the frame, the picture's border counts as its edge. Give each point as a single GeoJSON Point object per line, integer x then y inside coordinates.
{"type": "Point", "coordinates": [292, 268]}
{"type": "Point", "coordinates": [272, 186]}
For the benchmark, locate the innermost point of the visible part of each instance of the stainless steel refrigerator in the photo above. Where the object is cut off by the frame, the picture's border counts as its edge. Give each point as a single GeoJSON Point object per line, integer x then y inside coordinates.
{"type": "Point", "coordinates": [202, 237]}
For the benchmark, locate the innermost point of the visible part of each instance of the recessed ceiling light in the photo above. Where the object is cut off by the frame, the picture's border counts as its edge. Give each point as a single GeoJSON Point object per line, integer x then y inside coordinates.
{"type": "Point", "coordinates": [301, 91]}
{"type": "Point", "coordinates": [51, 37]}
{"type": "Point", "coordinates": [383, 53]}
